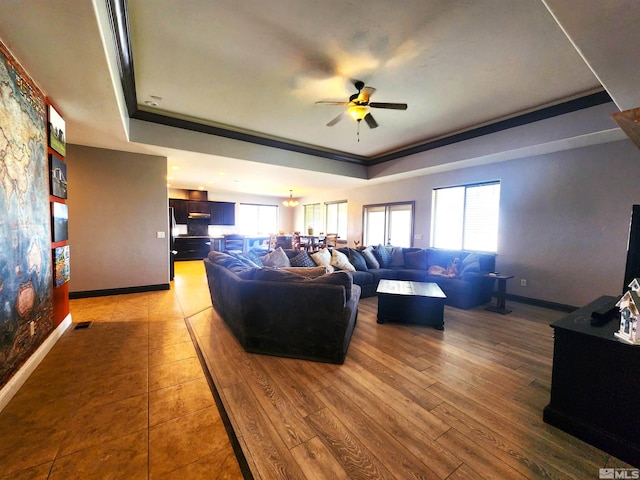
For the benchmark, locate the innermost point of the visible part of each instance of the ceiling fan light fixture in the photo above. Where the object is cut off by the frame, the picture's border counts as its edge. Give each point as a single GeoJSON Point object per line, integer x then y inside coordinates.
{"type": "Point", "coordinates": [358, 112]}
{"type": "Point", "coordinates": [290, 202]}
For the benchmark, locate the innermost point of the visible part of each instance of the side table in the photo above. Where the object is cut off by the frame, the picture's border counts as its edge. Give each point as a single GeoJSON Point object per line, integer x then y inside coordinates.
{"type": "Point", "coordinates": [500, 306]}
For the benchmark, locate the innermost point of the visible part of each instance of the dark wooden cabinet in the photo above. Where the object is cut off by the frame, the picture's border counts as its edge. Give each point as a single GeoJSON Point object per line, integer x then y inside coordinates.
{"type": "Point", "coordinates": [191, 248]}
{"type": "Point", "coordinates": [222, 213]}
{"type": "Point", "coordinates": [594, 386]}
{"type": "Point", "coordinates": [198, 207]}
{"type": "Point", "coordinates": [180, 210]}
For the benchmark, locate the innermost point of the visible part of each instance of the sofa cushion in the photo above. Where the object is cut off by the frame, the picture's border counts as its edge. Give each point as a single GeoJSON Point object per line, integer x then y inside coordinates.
{"type": "Point", "coordinates": [323, 258]}
{"type": "Point", "coordinates": [384, 273]}
{"type": "Point", "coordinates": [397, 257]}
{"type": "Point", "coordinates": [303, 259]}
{"type": "Point", "coordinates": [439, 257]}
{"type": "Point", "coordinates": [383, 255]}
{"type": "Point", "coordinates": [357, 260]}
{"type": "Point", "coordinates": [269, 274]}
{"type": "Point", "coordinates": [370, 257]}
{"type": "Point", "coordinates": [416, 259]}
{"type": "Point", "coordinates": [308, 272]}
{"type": "Point", "coordinates": [340, 261]}
{"type": "Point", "coordinates": [362, 278]}
{"type": "Point", "coordinates": [412, 274]}
{"type": "Point", "coordinates": [277, 258]}
{"type": "Point", "coordinates": [336, 278]}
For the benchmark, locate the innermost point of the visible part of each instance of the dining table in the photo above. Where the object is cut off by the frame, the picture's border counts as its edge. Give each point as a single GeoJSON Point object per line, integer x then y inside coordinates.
{"type": "Point", "coordinates": [312, 242]}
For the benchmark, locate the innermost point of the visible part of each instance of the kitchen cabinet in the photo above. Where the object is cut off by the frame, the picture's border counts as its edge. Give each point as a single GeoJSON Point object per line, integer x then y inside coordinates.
{"type": "Point", "coordinates": [198, 207]}
{"type": "Point", "coordinates": [180, 210]}
{"type": "Point", "coordinates": [192, 248]}
{"type": "Point", "coordinates": [222, 213]}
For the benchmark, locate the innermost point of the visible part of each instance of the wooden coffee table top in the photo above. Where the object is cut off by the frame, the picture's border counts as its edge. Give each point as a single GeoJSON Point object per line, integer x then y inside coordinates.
{"type": "Point", "coordinates": [408, 288]}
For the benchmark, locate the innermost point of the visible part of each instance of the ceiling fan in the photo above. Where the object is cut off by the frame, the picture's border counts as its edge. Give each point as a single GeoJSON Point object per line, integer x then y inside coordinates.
{"type": "Point", "coordinates": [359, 105]}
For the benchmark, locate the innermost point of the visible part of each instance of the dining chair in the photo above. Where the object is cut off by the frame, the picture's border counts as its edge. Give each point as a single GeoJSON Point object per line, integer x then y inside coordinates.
{"type": "Point", "coordinates": [331, 240]}
{"type": "Point", "coordinates": [234, 243]}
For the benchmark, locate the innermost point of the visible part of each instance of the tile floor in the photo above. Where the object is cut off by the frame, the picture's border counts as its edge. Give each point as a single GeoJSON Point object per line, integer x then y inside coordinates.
{"type": "Point", "coordinates": [124, 398]}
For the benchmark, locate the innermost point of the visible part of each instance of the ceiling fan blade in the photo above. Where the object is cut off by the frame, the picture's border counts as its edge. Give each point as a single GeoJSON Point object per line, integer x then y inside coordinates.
{"type": "Point", "coordinates": [370, 120]}
{"type": "Point", "coordinates": [330, 102]}
{"type": "Point", "coordinates": [365, 93]}
{"type": "Point", "coordinates": [336, 120]}
{"type": "Point", "coordinates": [393, 106]}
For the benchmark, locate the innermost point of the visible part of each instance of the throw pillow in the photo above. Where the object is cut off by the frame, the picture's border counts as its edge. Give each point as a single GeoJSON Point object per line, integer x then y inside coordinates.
{"type": "Point", "coordinates": [417, 259]}
{"type": "Point", "coordinates": [472, 257]}
{"type": "Point", "coordinates": [255, 258]}
{"type": "Point", "coordinates": [308, 272]}
{"type": "Point", "coordinates": [341, 261]}
{"type": "Point", "coordinates": [337, 278]}
{"type": "Point", "coordinates": [277, 275]}
{"type": "Point", "coordinates": [469, 267]}
{"type": "Point", "coordinates": [383, 255]}
{"type": "Point", "coordinates": [370, 258]}
{"type": "Point", "coordinates": [323, 258]}
{"type": "Point", "coordinates": [277, 258]}
{"type": "Point", "coordinates": [397, 257]}
{"type": "Point", "coordinates": [302, 260]}
{"type": "Point", "coordinates": [357, 260]}
{"type": "Point", "coordinates": [229, 262]}
{"type": "Point", "coordinates": [244, 259]}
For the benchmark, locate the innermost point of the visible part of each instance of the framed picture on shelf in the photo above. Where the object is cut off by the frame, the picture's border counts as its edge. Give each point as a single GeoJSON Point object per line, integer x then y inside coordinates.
{"type": "Point", "coordinates": [59, 222]}
{"type": "Point", "coordinates": [61, 265]}
{"type": "Point", "coordinates": [57, 133]}
{"type": "Point", "coordinates": [57, 176]}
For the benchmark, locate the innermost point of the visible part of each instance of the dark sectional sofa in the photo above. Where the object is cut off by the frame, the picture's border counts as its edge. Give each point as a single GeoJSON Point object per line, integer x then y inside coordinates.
{"type": "Point", "coordinates": [468, 289]}
{"type": "Point", "coordinates": [276, 312]}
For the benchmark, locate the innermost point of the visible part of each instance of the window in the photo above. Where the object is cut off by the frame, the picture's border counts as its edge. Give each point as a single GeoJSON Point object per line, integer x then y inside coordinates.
{"type": "Point", "coordinates": [388, 224]}
{"type": "Point", "coordinates": [313, 217]}
{"type": "Point", "coordinates": [466, 217]}
{"type": "Point", "coordinates": [258, 219]}
{"type": "Point", "coordinates": [336, 218]}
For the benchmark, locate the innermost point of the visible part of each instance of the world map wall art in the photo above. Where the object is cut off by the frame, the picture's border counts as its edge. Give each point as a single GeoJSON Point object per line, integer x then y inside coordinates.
{"type": "Point", "coordinates": [26, 264]}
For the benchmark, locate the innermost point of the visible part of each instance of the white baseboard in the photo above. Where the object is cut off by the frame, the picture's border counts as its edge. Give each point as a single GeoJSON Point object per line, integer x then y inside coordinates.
{"type": "Point", "coordinates": [13, 385]}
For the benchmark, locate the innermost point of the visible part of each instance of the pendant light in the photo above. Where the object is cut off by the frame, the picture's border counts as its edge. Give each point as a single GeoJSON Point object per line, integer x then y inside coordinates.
{"type": "Point", "coordinates": [290, 202]}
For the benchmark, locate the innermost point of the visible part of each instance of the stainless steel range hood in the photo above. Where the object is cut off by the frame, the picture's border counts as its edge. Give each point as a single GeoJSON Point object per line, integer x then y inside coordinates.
{"type": "Point", "coordinates": [194, 215]}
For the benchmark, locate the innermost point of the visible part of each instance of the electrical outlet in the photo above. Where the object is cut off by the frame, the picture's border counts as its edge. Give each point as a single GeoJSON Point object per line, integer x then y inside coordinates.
{"type": "Point", "coordinates": [523, 282]}
{"type": "Point", "coordinates": [417, 236]}
{"type": "Point", "coordinates": [160, 235]}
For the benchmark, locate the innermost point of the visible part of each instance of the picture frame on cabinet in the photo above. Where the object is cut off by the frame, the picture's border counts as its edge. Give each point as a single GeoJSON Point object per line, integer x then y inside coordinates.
{"type": "Point", "coordinates": [59, 222]}
{"type": "Point", "coordinates": [61, 265]}
{"type": "Point", "coordinates": [57, 132]}
{"type": "Point", "coordinates": [57, 176]}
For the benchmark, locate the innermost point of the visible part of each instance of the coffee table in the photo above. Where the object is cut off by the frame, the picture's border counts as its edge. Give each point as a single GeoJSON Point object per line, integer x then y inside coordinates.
{"type": "Point", "coordinates": [411, 302]}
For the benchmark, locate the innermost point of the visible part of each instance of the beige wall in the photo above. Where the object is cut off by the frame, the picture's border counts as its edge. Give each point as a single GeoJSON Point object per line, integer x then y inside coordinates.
{"type": "Point", "coordinates": [564, 217]}
{"type": "Point", "coordinates": [563, 226]}
{"type": "Point", "coordinates": [117, 204]}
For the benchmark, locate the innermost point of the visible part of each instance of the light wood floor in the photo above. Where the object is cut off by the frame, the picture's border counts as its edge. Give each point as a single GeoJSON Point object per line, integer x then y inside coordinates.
{"type": "Point", "coordinates": [409, 402]}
